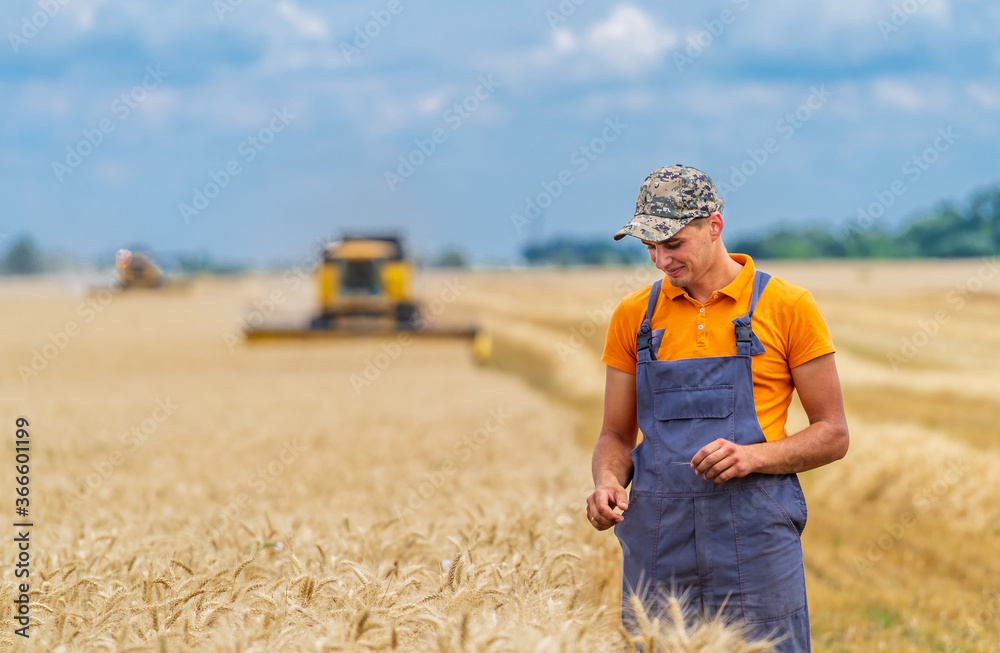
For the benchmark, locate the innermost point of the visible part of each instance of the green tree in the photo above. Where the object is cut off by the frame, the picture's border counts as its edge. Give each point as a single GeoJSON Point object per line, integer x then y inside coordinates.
{"type": "Point", "coordinates": [451, 258]}
{"type": "Point", "coordinates": [22, 258]}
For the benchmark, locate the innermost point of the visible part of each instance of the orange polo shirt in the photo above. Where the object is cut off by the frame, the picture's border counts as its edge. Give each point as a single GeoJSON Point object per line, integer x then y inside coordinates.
{"type": "Point", "coordinates": [787, 321]}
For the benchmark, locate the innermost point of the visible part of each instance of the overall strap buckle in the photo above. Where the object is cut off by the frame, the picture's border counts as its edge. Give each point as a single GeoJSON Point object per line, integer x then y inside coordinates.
{"type": "Point", "coordinates": [644, 340]}
{"type": "Point", "coordinates": [744, 334]}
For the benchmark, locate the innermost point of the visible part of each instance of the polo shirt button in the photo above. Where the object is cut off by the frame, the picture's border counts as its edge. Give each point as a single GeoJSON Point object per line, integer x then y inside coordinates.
{"type": "Point", "coordinates": [701, 326]}
{"type": "Point", "coordinates": [701, 310]}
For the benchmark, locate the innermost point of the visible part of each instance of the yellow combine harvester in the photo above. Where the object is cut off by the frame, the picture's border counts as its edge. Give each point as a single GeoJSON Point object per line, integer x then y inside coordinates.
{"type": "Point", "coordinates": [365, 286]}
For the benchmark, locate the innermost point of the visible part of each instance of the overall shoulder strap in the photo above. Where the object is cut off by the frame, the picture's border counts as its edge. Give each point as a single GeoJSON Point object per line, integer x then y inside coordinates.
{"type": "Point", "coordinates": [643, 339]}
{"type": "Point", "coordinates": [760, 281]}
{"type": "Point", "coordinates": [654, 296]}
{"type": "Point", "coordinates": [747, 344]}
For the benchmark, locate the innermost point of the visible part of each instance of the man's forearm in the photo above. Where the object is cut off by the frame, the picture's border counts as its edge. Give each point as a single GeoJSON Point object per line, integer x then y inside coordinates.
{"type": "Point", "coordinates": [612, 460]}
{"type": "Point", "coordinates": [818, 444]}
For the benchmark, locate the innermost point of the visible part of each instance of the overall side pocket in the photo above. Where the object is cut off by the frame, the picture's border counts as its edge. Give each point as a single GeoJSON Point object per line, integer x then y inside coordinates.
{"type": "Point", "coordinates": [772, 578]}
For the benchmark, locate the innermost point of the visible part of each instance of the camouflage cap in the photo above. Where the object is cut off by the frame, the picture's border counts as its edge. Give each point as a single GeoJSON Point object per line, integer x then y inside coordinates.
{"type": "Point", "coordinates": [669, 199]}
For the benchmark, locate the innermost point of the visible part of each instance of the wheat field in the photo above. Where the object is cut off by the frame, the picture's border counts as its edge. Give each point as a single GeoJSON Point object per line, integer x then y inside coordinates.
{"type": "Point", "coordinates": [192, 492]}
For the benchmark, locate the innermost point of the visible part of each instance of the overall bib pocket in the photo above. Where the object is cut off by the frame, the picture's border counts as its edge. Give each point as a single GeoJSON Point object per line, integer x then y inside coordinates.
{"type": "Point", "coordinates": [704, 413]}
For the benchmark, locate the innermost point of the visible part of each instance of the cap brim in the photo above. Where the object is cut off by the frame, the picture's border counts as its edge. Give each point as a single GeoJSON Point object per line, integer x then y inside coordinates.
{"type": "Point", "coordinates": [652, 228]}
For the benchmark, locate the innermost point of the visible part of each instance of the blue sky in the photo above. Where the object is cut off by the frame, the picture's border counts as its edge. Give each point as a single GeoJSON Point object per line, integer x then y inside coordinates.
{"type": "Point", "coordinates": [253, 129]}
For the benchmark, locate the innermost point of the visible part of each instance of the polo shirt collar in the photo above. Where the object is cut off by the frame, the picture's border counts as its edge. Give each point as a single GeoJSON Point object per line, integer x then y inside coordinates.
{"type": "Point", "coordinates": [735, 289]}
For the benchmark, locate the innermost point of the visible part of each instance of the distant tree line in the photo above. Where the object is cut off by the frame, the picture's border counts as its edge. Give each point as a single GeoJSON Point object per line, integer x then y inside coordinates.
{"type": "Point", "coordinates": [951, 231]}
{"type": "Point", "coordinates": [21, 256]}
{"type": "Point", "coordinates": [567, 251]}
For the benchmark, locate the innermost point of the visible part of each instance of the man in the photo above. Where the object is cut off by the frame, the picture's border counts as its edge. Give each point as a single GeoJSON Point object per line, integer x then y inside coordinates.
{"type": "Point", "coordinates": [705, 366]}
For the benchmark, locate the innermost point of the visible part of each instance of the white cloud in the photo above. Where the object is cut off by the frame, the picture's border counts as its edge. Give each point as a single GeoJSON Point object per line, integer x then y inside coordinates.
{"type": "Point", "coordinates": [112, 172]}
{"type": "Point", "coordinates": [986, 96]}
{"type": "Point", "coordinates": [629, 41]}
{"type": "Point", "coordinates": [937, 10]}
{"type": "Point", "coordinates": [563, 40]}
{"type": "Point", "coordinates": [865, 13]}
{"type": "Point", "coordinates": [85, 11]}
{"type": "Point", "coordinates": [736, 108]}
{"type": "Point", "coordinates": [161, 105]}
{"type": "Point", "coordinates": [917, 95]}
{"type": "Point", "coordinates": [857, 13]}
{"type": "Point", "coordinates": [306, 23]}
{"type": "Point", "coordinates": [284, 55]}
{"type": "Point", "coordinates": [300, 41]}
{"type": "Point", "coordinates": [630, 37]}
{"type": "Point", "coordinates": [898, 94]}
{"type": "Point", "coordinates": [431, 103]}
{"type": "Point", "coordinates": [850, 104]}
{"type": "Point", "coordinates": [48, 99]}
{"type": "Point", "coordinates": [370, 105]}
{"type": "Point", "coordinates": [225, 107]}
{"type": "Point", "coordinates": [839, 30]}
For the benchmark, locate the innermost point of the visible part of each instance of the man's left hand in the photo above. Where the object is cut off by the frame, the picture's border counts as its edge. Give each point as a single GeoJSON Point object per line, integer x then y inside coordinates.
{"type": "Point", "coordinates": [722, 460]}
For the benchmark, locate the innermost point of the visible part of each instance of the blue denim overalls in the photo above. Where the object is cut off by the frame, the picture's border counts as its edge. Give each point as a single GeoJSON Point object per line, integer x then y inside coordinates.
{"type": "Point", "coordinates": [735, 544]}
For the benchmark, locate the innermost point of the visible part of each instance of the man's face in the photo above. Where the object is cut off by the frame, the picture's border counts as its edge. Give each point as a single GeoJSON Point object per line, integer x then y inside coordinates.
{"type": "Point", "coordinates": [685, 256]}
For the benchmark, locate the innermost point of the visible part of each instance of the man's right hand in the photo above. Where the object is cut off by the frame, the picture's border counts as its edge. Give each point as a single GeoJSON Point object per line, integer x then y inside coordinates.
{"type": "Point", "coordinates": [601, 505]}
{"type": "Point", "coordinates": [612, 462]}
